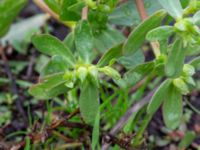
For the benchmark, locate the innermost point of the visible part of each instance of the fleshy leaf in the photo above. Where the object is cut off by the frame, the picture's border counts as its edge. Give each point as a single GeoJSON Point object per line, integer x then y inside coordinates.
{"type": "Point", "coordinates": [51, 46]}
{"type": "Point", "coordinates": [158, 97]}
{"type": "Point", "coordinates": [89, 101]}
{"type": "Point", "coordinates": [137, 36]}
{"type": "Point", "coordinates": [57, 64]}
{"type": "Point", "coordinates": [113, 53]}
{"type": "Point", "coordinates": [175, 61]}
{"type": "Point", "coordinates": [172, 108]}
{"type": "Point", "coordinates": [49, 87]}
{"type": "Point", "coordinates": [160, 33]}
{"type": "Point", "coordinates": [136, 74]}
{"type": "Point", "coordinates": [84, 41]}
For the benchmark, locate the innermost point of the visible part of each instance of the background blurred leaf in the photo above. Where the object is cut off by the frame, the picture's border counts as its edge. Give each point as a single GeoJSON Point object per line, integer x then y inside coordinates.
{"type": "Point", "coordinates": [132, 60]}
{"type": "Point", "coordinates": [187, 140]}
{"type": "Point", "coordinates": [20, 33]}
{"type": "Point", "coordinates": [127, 14]}
{"type": "Point", "coordinates": [9, 10]}
{"type": "Point", "coordinates": [107, 38]}
{"type": "Point", "coordinates": [173, 7]}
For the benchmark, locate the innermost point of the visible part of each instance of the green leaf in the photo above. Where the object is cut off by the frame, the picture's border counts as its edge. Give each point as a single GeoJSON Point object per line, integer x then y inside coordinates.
{"type": "Point", "coordinates": [175, 61]}
{"type": "Point", "coordinates": [158, 97]}
{"type": "Point", "coordinates": [172, 108]}
{"type": "Point", "coordinates": [57, 64]}
{"type": "Point", "coordinates": [107, 38]}
{"type": "Point", "coordinates": [9, 10]}
{"type": "Point", "coordinates": [50, 86]}
{"type": "Point", "coordinates": [160, 33]}
{"type": "Point", "coordinates": [20, 33]}
{"type": "Point", "coordinates": [132, 60]}
{"type": "Point", "coordinates": [187, 140]}
{"type": "Point", "coordinates": [95, 132]}
{"type": "Point", "coordinates": [173, 7]}
{"type": "Point", "coordinates": [53, 5]}
{"type": "Point", "coordinates": [51, 46]}
{"type": "Point", "coordinates": [84, 41]}
{"type": "Point", "coordinates": [66, 14]}
{"type": "Point", "coordinates": [69, 41]}
{"type": "Point", "coordinates": [89, 102]}
{"type": "Point", "coordinates": [137, 36]}
{"type": "Point", "coordinates": [113, 53]}
{"type": "Point", "coordinates": [135, 74]}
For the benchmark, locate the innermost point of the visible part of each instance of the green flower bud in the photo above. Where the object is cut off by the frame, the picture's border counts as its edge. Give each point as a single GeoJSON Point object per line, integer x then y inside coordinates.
{"type": "Point", "coordinates": [91, 4]}
{"type": "Point", "coordinates": [93, 71]}
{"type": "Point", "coordinates": [68, 76]}
{"type": "Point", "coordinates": [82, 73]}
{"type": "Point", "coordinates": [181, 86]}
{"type": "Point", "coordinates": [69, 84]}
{"type": "Point", "coordinates": [109, 71]}
{"type": "Point", "coordinates": [188, 70]}
{"type": "Point", "coordinates": [180, 25]}
{"type": "Point", "coordinates": [70, 79]}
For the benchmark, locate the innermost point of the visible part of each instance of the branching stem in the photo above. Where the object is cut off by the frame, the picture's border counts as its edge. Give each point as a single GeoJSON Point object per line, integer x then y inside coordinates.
{"type": "Point", "coordinates": [143, 15]}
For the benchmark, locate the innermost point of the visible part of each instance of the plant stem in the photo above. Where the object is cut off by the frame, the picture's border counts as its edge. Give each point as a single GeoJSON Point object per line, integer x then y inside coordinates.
{"type": "Point", "coordinates": [85, 13]}
{"type": "Point", "coordinates": [41, 4]}
{"type": "Point", "coordinates": [143, 15]}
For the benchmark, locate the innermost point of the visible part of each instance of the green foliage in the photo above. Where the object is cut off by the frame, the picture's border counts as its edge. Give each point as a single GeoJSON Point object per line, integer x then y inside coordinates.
{"type": "Point", "coordinates": [51, 46]}
{"type": "Point", "coordinates": [89, 101]}
{"type": "Point", "coordinates": [80, 68]}
{"type": "Point", "coordinates": [84, 41]}
{"type": "Point", "coordinates": [187, 140]}
{"type": "Point", "coordinates": [50, 87]}
{"type": "Point", "coordinates": [9, 10]}
{"type": "Point", "coordinates": [160, 33]}
{"type": "Point", "coordinates": [20, 33]}
{"type": "Point", "coordinates": [137, 36]}
{"type": "Point", "coordinates": [172, 108]}
{"type": "Point", "coordinates": [173, 7]}
{"type": "Point", "coordinates": [175, 61]}
{"type": "Point", "coordinates": [159, 96]}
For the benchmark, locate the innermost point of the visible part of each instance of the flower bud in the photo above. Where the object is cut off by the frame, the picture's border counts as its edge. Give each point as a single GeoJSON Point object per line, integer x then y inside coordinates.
{"type": "Point", "coordinates": [109, 71]}
{"type": "Point", "coordinates": [181, 86]}
{"type": "Point", "coordinates": [188, 70]}
{"type": "Point", "coordinates": [82, 73]}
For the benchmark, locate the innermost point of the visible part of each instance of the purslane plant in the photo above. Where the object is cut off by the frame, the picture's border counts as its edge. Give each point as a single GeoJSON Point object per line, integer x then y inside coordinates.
{"type": "Point", "coordinates": [79, 71]}
{"type": "Point", "coordinates": [73, 61]}
{"type": "Point", "coordinates": [73, 71]}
